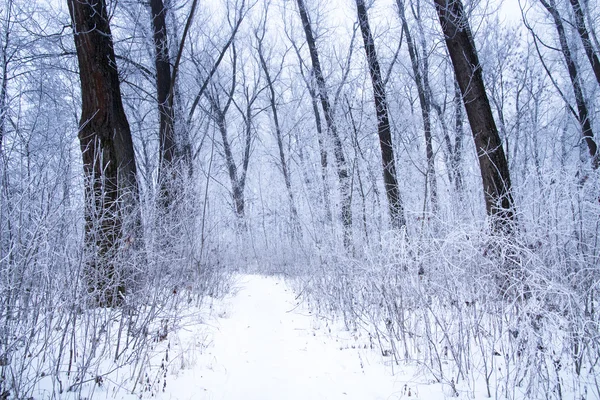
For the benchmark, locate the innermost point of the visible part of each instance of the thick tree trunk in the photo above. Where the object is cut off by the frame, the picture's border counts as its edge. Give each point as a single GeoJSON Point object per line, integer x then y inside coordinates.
{"type": "Point", "coordinates": [338, 151]}
{"type": "Point", "coordinates": [425, 102]}
{"type": "Point", "coordinates": [492, 160]}
{"type": "Point", "coordinates": [383, 122]}
{"type": "Point", "coordinates": [582, 108]}
{"type": "Point", "coordinates": [108, 155]}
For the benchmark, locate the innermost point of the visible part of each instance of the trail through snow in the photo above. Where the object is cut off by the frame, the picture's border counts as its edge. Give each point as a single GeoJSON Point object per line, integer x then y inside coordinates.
{"type": "Point", "coordinates": [265, 346]}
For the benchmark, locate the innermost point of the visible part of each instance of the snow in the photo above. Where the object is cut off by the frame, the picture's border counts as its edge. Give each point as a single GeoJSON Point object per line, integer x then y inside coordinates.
{"type": "Point", "coordinates": [260, 342]}
{"type": "Point", "coordinates": [265, 345]}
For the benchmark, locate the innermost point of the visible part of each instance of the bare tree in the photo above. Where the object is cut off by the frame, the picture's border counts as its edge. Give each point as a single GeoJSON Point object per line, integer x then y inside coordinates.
{"type": "Point", "coordinates": [420, 77]}
{"type": "Point", "coordinates": [338, 151]}
{"type": "Point", "coordinates": [165, 89]}
{"type": "Point", "coordinates": [396, 207]}
{"type": "Point", "coordinates": [458, 138]}
{"type": "Point", "coordinates": [108, 155]}
{"type": "Point", "coordinates": [492, 160]}
{"type": "Point", "coordinates": [163, 82]}
{"type": "Point", "coordinates": [314, 97]}
{"type": "Point", "coordinates": [582, 115]}
{"type": "Point", "coordinates": [5, 60]}
{"type": "Point", "coordinates": [260, 36]}
{"type": "Point", "coordinates": [220, 100]}
{"type": "Point", "coordinates": [235, 25]}
{"type": "Point", "coordinates": [585, 38]}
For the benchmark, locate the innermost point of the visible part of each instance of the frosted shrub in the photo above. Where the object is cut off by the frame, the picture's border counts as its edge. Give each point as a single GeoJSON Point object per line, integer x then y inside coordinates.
{"type": "Point", "coordinates": [510, 317]}
{"type": "Point", "coordinates": [54, 341]}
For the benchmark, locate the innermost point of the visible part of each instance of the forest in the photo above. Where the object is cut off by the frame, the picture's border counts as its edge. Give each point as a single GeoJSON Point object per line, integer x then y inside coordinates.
{"type": "Point", "coordinates": [423, 172]}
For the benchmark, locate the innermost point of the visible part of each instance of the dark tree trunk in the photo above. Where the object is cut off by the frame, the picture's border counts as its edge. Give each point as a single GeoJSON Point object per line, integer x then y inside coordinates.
{"type": "Point", "coordinates": [492, 160]}
{"type": "Point", "coordinates": [383, 122]}
{"type": "Point", "coordinates": [338, 151]}
{"type": "Point", "coordinates": [582, 108]}
{"type": "Point", "coordinates": [585, 38]}
{"type": "Point", "coordinates": [323, 156]}
{"type": "Point", "coordinates": [425, 102]}
{"type": "Point", "coordinates": [236, 186]}
{"type": "Point", "coordinates": [108, 155]}
{"type": "Point", "coordinates": [163, 87]}
{"type": "Point", "coordinates": [219, 115]}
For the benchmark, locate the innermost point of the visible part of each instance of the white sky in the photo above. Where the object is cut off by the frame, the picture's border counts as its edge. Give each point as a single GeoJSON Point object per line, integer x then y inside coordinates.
{"type": "Point", "coordinates": [510, 10]}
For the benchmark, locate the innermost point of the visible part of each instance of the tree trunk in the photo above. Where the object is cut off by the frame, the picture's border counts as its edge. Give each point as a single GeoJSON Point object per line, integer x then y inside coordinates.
{"type": "Point", "coordinates": [237, 191]}
{"type": "Point", "coordinates": [4, 79]}
{"type": "Point", "coordinates": [219, 115]}
{"type": "Point", "coordinates": [383, 122]}
{"type": "Point", "coordinates": [492, 161]}
{"type": "Point", "coordinates": [459, 133]}
{"type": "Point", "coordinates": [585, 38]}
{"type": "Point", "coordinates": [278, 135]}
{"type": "Point", "coordinates": [314, 100]}
{"type": "Point", "coordinates": [338, 151]}
{"type": "Point", "coordinates": [3, 96]}
{"type": "Point", "coordinates": [582, 108]}
{"type": "Point", "coordinates": [425, 102]}
{"type": "Point", "coordinates": [163, 90]}
{"type": "Point", "coordinates": [108, 155]}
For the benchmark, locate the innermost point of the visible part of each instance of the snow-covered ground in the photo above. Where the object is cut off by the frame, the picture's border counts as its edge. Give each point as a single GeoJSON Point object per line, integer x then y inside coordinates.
{"type": "Point", "coordinates": [264, 345]}
{"type": "Point", "coordinates": [262, 342]}
{"type": "Point", "coordinates": [258, 343]}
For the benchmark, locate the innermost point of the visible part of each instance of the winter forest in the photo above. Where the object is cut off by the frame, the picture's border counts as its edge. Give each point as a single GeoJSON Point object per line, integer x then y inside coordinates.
{"type": "Point", "coordinates": [420, 176]}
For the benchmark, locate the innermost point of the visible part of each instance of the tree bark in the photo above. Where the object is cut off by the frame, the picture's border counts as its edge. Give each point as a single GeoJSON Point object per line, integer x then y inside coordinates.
{"type": "Point", "coordinates": [163, 84]}
{"type": "Point", "coordinates": [108, 155]}
{"type": "Point", "coordinates": [166, 132]}
{"type": "Point", "coordinates": [582, 108]}
{"type": "Point", "coordinates": [396, 208]}
{"type": "Point", "coordinates": [492, 160]}
{"type": "Point", "coordinates": [338, 151]}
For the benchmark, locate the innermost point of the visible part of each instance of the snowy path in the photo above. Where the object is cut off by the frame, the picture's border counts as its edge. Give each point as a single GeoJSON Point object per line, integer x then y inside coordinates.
{"type": "Point", "coordinates": [264, 347]}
